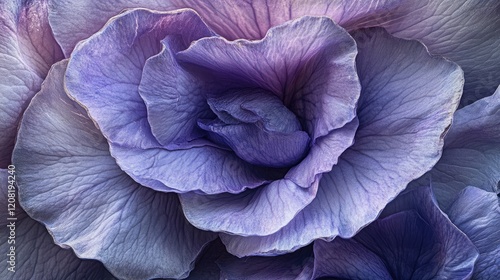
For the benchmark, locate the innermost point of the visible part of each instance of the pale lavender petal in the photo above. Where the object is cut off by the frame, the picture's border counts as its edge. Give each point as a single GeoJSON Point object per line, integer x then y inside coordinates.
{"type": "Point", "coordinates": [35, 256]}
{"type": "Point", "coordinates": [477, 213]}
{"type": "Point", "coordinates": [69, 181]}
{"type": "Point", "coordinates": [260, 211]}
{"type": "Point", "coordinates": [27, 50]}
{"type": "Point", "coordinates": [407, 103]}
{"type": "Point", "coordinates": [471, 154]}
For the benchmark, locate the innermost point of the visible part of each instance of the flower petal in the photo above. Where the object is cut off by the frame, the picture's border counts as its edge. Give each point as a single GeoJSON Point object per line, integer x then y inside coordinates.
{"type": "Point", "coordinates": [411, 239]}
{"type": "Point", "coordinates": [105, 71]}
{"type": "Point", "coordinates": [69, 181]}
{"type": "Point", "coordinates": [35, 255]}
{"type": "Point", "coordinates": [406, 105]}
{"type": "Point", "coordinates": [27, 50]}
{"type": "Point", "coordinates": [464, 31]}
{"type": "Point", "coordinates": [260, 211]}
{"type": "Point", "coordinates": [477, 213]}
{"type": "Point", "coordinates": [471, 154]}
{"type": "Point", "coordinates": [313, 74]}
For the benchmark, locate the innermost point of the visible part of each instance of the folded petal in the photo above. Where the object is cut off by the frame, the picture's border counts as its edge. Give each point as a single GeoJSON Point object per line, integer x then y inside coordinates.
{"type": "Point", "coordinates": [411, 239]}
{"type": "Point", "coordinates": [105, 71]}
{"type": "Point", "coordinates": [477, 213]}
{"type": "Point", "coordinates": [27, 50]}
{"type": "Point", "coordinates": [313, 74]}
{"type": "Point", "coordinates": [35, 256]}
{"type": "Point", "coordinates": [471, 154]}
{"type": "Point", "coordinates": [260, 211]}
{"type": "Point", "coordinates": [406, 105]}
{"type": "Point", "coordinates": [69, 181]}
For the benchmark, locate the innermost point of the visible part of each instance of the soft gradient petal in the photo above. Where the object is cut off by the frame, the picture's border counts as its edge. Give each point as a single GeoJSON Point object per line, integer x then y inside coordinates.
{"type": "Point", "coordinates": [69, 181]}
{"type": "Point", "coordinates": [232, 19]}
{"type": "Point", "coordinates": [105, 71]}
{"type": "Point", "coordinates": [406, 105]}
{"type": "Point", "coordinates": [412, 239]}
{"type": "Point", "coordinates": [477, 213]}
{"type": "Point", "coordinates": [27, 50]}
{"type": "Point", "coordinates": [295, 266]}
{"type": "Point", "coordinates": [260, 211]}
{"type": "Point", "coordinates": [471, 154]}
{"type": "Point", "coordinates": [313, 74]}
{"type": "Point", "coordinates": [36, 255]}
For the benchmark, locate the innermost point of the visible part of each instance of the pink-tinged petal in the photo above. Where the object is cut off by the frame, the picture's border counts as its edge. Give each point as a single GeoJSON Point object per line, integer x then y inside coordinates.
{"type": "Point", "coordinates": [27, 50]}
{"type": "Point", "coordinates": [406, 106]}
{"type": "Point", "coordinates": [68, 181]}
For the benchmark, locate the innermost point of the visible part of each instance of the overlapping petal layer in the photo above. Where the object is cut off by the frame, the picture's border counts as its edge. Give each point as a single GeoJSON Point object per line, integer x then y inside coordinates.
{"type": "Point", "coordinates": [412, 239]}
{"type": "Point", "coordinates": [27, 50]}
{"type": "Point", "coordinates": [477, 213]}
{"type": "Point", "coordinates": [464, 31]}
{"type": "Point", "coordinates": [406, 105]}
{"type": "Point", "coordinates": [93, 206]}
{"type": "Point", "coordinates": [471, 153]}
{"type": "Point", "coordinates": [35, 255]}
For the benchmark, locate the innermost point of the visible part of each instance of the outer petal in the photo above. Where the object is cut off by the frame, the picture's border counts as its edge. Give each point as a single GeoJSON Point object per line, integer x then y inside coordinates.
{"type": "Point", "coordinates": [68, 180]}
{"type": "Point", "coordinates": [313, 74]}
{"type": "Point", "coordinates": [412, 239]}
{"type": "Point", "coordinates": [477, 213]}
{"type": "Point", "coordinates": [407, 103]}
{"type": "Point", "coordinates": [471, 154]}
{"type": "Point", "coordinates": [232, 19]}
{"type": "Point", "coordinates": [465, 31]}
{"type": "Point", "coordinates": [27, 49]}
{"type": "Point", "coordinates": [36, 255]}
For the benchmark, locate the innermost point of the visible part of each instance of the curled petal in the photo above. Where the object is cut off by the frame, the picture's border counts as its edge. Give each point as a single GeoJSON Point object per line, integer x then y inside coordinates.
{"type": "Point", "coordinates": [93, 206]}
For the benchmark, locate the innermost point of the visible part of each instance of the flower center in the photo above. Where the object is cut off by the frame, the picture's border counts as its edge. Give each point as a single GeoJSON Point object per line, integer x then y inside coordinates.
{"type": "Point", "coordinates": [257, 127]}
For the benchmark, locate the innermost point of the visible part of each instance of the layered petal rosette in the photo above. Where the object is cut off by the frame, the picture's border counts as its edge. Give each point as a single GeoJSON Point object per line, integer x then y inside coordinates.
{"type": "Point", "coordinates": [183, 132]}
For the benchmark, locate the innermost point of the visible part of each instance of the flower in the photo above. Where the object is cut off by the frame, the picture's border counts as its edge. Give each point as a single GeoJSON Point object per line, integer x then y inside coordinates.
{"type": "Point", "coordinates": [267, 125]}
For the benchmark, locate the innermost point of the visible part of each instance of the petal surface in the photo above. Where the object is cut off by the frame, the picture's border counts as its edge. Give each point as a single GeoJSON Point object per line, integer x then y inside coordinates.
{"type": "Point", "coordinates": [313, 74]}
{"type": "Point", "coordinates": [412, 239]}
{"type": "Point", "coordinates": [477, 213]}
{"type": "Point", "coordinates": [27, 50]}
{"type": "Point", "coordinates": [406, 105]}
{"type": "Point", "coordinates": [471, 154]}
{"type": "Point", "coordinates": [69, 181]}
{"type": "Point", "coordinates": [36, 255]}
{"type": "Point", "coordinates": [464, 31]}
{"type": "Point", "coordinates": [105, 71]}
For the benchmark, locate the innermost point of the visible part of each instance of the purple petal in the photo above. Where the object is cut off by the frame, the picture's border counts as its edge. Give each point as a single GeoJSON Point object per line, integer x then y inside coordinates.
{"type": "Point", "coordinates": [297, 265]}
{"type": "Point", "coordinates": [105, 71]}
{"type": "Point", "coordinates": [260, 211]}
{"type": "Point", "coordinates": [69, 181]}
{"type": "Point", "coordinates": [313, 75]}
{"type": "Point", "coordinates": [411, 239]}
{"type": "Point", "coordinates": [464, 31]}
{"type": "Point", "coordinates": [471, 154]}
{"type": "Point", "coordinates": [406, 105]}
{"type": "Point", "coordinates": [27, 50]}
{"type": "Point", "coordinates": [477, 213]}
{"type": "Point", "coordinates": [206, 267]}
{"type": "Point", "coordinates": [35, 254]}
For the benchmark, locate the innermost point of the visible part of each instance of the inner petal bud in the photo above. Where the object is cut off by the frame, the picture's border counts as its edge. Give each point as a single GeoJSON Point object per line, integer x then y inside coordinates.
{"type": "Point", "coordinates": [257, 127]}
